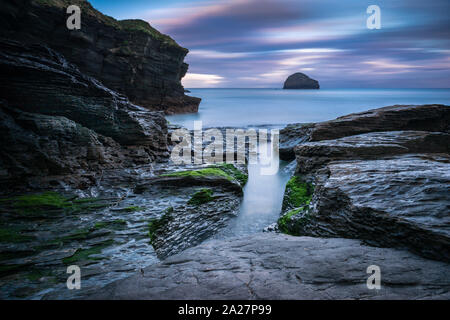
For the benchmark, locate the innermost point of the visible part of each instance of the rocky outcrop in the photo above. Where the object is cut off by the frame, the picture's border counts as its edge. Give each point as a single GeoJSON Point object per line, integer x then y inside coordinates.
{"type": "Point", "coordinates": [300, 81]}
{"type": "Point", "coordinates": [271, 266]}
{"type": "Point", "coordinates": [314, 155]}
{"type": "Point", "coordinates": [127, 56]}
{"type": "Point", "coordinates": [56, 120]}
{"type": "Point", "coordinates": [434, 118]}
{"type": "Point", "coordinates": [214, 196]}
{"type": "Point", "coordinates": [387, 188]}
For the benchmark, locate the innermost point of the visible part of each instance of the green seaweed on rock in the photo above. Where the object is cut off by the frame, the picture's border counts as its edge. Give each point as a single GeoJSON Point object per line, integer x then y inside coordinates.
{"type": "Point", "coordinates": [201, 197]}
{"type": "Point", "coordinates": [155, 224]}
{"type": "Point", "coordinates": [297, 193]}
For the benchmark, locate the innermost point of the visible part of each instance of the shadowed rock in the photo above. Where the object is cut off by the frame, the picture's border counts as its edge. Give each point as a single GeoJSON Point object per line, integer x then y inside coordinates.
{"type": "Point", "coordinates": [313, 155]}
{"type": "Point", "coordinates": [215, 198]}
{"type": "Point", "coordinates": [434, 118]}
{"type": "Point", "coordinates": [300, 81]}
{"type": "Point", "coordinates": [71, 120]}
{"type": "Point", "coordinates": [272, 266]}
{"type": "Point", "coordinates": [128, 56]}
{"type": "Point", "coordinates": [387, 188]}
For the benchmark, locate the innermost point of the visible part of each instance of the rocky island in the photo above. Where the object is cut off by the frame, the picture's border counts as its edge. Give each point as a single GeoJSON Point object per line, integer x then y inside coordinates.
{"type": "Point", "coordinates": [300, 81]}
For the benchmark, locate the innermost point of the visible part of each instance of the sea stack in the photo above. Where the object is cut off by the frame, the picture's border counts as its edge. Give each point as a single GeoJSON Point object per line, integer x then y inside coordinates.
{"type": "Point", "coordinates": [300, 81]}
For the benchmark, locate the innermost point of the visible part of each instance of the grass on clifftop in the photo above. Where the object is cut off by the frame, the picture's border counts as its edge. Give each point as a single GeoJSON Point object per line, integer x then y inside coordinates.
{"type": "Point", "coordinates": [133, 25]}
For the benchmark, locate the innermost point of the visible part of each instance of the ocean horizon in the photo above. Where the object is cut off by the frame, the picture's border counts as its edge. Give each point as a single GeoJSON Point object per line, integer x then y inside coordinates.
{"type": "Point", "coordinates": [244, 107]}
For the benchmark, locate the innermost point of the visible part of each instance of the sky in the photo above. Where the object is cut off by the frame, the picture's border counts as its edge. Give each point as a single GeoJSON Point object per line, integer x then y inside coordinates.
{"type": "Point", "coordinates": [259, 43]}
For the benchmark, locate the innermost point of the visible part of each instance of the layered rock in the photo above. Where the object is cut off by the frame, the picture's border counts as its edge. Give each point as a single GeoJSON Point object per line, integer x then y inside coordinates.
{"type": "Point", "coordinates": [66, 121]}
{"type": "Point", "coordinates": [128, 56]}
{"type": "Point", "coordinates": [300, 81]}
{"type": "Point", "coordinates": [313, 155]}
{"type": "Point", "coordinates": [215, 194]}
{"type": "Point", "coordinates": [273, 266]}
{"type": "Point", "coordinates": [387, 188]}
{"type": "Point", "coordinates": [434, 118]}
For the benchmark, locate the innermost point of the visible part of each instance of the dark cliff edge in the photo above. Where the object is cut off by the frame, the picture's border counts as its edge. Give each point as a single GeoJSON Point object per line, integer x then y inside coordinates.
{"type": "Point", "coordinates": [128, 56]}
{"type": "Point", "coordinates": [58, 125]}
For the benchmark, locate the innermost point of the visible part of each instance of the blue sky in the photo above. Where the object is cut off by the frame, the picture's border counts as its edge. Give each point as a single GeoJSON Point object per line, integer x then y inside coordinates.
{"type": "Point", "coordinates": [258, 43]}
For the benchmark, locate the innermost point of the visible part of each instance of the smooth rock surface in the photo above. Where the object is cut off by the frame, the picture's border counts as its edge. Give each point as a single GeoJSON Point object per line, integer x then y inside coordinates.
{"type": "Point", "coordinates": [273, 266]}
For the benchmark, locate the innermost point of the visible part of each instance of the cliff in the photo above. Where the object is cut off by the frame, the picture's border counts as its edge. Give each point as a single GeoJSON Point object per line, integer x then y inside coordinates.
{"type": "Point", "coordinates": [128, 56]}
{"type": "Point", "coordinates": [59, 125]}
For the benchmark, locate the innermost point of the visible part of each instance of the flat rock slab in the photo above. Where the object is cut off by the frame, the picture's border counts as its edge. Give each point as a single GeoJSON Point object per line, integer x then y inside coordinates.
{"type": "Point", "coordinates": [275, 266]}
{"type": "Point", "coordinates": [313, 155]}
{"type": "Point", "coordinates": [434, 118]}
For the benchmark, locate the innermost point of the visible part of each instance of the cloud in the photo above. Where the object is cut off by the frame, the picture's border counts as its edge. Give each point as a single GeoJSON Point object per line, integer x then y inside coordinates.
{"type": "Point", "coordinates": [198, 80]}
{"type": "Point", "coordinates": [246, 43]}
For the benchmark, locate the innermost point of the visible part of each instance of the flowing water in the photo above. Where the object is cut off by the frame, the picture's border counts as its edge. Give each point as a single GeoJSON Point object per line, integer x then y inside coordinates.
{"type": "Point", "coordinates": [116, 236]}
{"type": "Point", "coordinates": [275, 108]}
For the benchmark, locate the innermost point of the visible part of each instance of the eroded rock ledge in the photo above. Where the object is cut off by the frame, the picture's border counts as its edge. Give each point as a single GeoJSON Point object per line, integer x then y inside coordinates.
{"type": "Point", "coordinates": [56, 121]}
{"type": "Point", "coordinates": [274, 266]}
{"type": "Point", "coordinates": [387, 188]}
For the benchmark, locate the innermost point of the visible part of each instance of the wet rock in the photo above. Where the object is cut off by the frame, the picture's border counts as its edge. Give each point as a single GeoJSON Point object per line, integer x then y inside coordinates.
{"type": "Point", "coordinates": [57, 121]}
{"type": "Point", "coordinates": [313, 155]}
{"type": "Point", "coordinates": [387, 188]}
{"type": "Point", "coordinates": [399, 202]}
{"type": "Point", "coordinates": [271, 266]}
{"type": "Point", "coordinates": [300, 81]}
{"type": "Point", "coordinates": [214, 199]}
{"type": "Point", "coordinates": [433, 118]}
{"type": "Point", "coordinates": [128, 56]}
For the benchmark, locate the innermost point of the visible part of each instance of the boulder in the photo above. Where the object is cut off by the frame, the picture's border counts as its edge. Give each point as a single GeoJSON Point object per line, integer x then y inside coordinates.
{"type": "Point", "coordinates": [300, 81]}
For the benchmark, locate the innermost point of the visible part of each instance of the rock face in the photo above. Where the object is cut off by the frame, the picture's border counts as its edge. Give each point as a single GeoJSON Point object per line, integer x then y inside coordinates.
{"type": "Point", "coordinates": [127, 56]}
{"type": "Point", "coordinates": [214, 198]}
{"type": "Point", "coordinates": [271, 266]}
{"type": "Point", "coordinates": [393, 118]}
{"type": "Point", "coordinates": [300, 81]}
{"type": "Point", "coordinates": [56, 120]}
{"type": "Point", "coordinates": [387, 188]}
